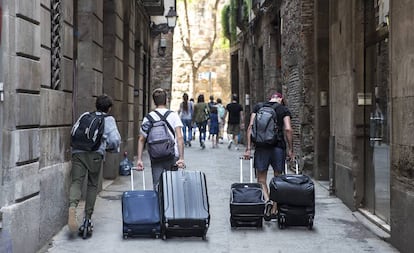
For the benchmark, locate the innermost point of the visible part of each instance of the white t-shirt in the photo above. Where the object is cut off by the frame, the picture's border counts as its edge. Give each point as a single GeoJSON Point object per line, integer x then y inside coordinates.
{"type": "Point", "coordinates": [173, 119]}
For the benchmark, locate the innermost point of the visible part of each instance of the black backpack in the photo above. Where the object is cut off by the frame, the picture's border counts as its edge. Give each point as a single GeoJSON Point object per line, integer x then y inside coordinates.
{"type": "Point", "coordinates": [159, 140]}
{"type": "Point", "coordinates": [87, 132]}
{"type": "Point", "coordinates": [265, 130]}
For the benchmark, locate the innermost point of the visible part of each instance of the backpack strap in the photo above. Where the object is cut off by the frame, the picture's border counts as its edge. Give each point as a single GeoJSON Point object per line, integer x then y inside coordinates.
{"type": "Point", "coordinates": [163, 118]}
{"type": "Point", "coordinates": [274, 106]}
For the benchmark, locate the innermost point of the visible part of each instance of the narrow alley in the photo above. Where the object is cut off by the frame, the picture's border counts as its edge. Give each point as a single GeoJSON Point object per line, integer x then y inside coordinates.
{"type": "Point", "coordinates": [336, 228]}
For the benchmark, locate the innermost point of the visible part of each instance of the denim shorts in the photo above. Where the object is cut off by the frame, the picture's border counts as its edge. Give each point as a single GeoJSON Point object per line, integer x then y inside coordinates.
{"type": "Point", "coordinates": [274, 156]}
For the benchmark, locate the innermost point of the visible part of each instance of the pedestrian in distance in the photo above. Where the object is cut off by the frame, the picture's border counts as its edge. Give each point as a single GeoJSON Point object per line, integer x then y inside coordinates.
{"type": "Point", "coordinates": [270, 152]}
{"type": "Point", "coordinates": [87, 156]}
{"type": "Point", "coordinates": [221, 113]}
{"type": "Point", "coordinates": [186, 111]}
{"type": "Point", "coordinates": [211, 104]}
{"type": "Point", "coordinates": [235, 121]}
{"type": "Point", "coordinates": [193, 124]}
{"type": "Point", "coordinates": [200, 117]}
{"type": "Point", "coordinates": [214, 127]}
{"type": "Point", "coordinates": [166, 126]}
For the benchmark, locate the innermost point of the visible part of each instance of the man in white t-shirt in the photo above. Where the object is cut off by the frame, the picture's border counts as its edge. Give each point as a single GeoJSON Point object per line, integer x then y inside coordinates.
{"type": "Point", "coordinates": [160, 100]}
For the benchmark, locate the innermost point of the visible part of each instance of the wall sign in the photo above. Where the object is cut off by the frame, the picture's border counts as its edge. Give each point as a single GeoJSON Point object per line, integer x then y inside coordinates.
{"type": "Point", "coordinates": [364, 98]}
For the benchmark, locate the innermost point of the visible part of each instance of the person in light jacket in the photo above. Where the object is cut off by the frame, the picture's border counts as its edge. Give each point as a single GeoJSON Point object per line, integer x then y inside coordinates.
{"type": "Point", "coordinates": [89, 163]}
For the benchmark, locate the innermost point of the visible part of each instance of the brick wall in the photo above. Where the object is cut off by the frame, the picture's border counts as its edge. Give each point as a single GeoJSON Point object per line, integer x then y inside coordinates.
{"type": "Point", "coordinates": [298, 74]}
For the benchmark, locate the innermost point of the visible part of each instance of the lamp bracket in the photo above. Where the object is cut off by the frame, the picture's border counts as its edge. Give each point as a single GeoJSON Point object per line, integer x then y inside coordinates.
{"type": "Point", "coordinates": [157, 29]}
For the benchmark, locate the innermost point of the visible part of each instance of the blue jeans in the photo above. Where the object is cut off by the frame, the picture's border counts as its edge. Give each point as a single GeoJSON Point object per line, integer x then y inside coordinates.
{"type": "Point", "coordinates": [202, 128]}
{"type": "Point", "coordinates": [187, 129]}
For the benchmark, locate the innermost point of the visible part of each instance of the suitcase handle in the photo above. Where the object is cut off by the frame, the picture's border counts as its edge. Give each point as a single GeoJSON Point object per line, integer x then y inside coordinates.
{"type": "Point", "coordinates": [132, 177]}
{"type": "Point", "coordinates": [296, 166]}
{"type": "Point", "coordinates": [241, 168]}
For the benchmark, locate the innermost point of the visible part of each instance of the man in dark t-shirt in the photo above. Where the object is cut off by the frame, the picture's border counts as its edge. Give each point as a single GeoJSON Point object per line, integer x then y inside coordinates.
{"type": "Point", "coordinates": [234, 122]}
{"type": "Point", "coordinates": [273, 155]}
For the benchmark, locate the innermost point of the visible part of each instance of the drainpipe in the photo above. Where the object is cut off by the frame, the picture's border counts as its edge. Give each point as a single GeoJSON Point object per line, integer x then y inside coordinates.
{"type": "Point", "coordinates": [331, 165]}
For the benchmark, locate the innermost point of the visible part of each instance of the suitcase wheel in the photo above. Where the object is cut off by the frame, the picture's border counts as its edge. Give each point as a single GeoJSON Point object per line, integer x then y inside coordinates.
{"type": "Point", "coordinates": [260, 223]}
{"type": "Point", "coordinates": [232, 223]}
{"type": "Point", "coordinates": [281, 220]}
{"type": "Point", "coordinates": [310, 223]}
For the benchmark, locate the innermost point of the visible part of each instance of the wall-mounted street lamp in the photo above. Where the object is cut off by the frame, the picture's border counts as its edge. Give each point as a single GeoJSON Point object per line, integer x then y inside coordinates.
{"type": "Point", "coordinates": [165, 27]}
{"type": "Point", "coordinates": [162, 45]}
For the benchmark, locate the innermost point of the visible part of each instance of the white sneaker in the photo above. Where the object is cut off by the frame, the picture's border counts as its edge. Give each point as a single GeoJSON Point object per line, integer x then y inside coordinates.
{"type": "Point", "coordinates": [230, 143]}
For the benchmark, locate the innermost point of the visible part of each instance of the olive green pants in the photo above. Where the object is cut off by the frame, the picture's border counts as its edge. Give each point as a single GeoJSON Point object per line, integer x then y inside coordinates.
{"type": "Point", "coordinates": [85, 164]}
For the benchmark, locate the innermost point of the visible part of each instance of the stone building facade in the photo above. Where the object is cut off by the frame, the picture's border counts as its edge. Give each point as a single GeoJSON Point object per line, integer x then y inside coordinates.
{"type": "Point", "coordinates": [56, 57]}
{"type": "Point", "coordinates": [343, 67]}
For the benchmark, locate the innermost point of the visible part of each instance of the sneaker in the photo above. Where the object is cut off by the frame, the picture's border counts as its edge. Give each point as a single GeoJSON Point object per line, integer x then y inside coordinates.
{"type": "Point", "coordinates": [203, 146]}
{"type": "Point", "coordinates": [72, 222]}
{"type": "Point", "coordinates": [268, 208]}
{"type": "Point", "coordinates": [88, 225]}
{"type": "Point", "coordinates": [273, 216]}
{"type": "Point", "coordinates": [189, 143]}
{"type": "Point", "coordinates": [230, 143]}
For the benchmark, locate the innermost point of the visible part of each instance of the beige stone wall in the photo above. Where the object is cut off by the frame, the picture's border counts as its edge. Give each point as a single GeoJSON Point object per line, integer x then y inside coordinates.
{"type": "Point", "coordinates": [218, 63]}
{"type": "Point", "coordinates": [402, 97]}
{"type": "Point", "coordinates": [36, 123]}
{"type": "Point", "coordinates": [36, 116]}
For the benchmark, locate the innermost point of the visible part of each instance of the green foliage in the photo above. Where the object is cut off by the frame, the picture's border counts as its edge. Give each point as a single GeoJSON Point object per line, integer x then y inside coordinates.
{"type": "Point", "coordinates": [225, 21]}
{"type": "Point", "coordinates": [245, 13]}
{"type": "Point", "coordinates": [233, 21]}
{"type": "Point", "coordinates": [223, 43]}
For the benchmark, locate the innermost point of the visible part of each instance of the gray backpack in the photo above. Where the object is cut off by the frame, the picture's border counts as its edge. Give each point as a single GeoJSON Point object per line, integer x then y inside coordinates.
{"type": "Point", "coordinates": [265, 130]}
{"type": "Point", "coordinates": [159, 140]}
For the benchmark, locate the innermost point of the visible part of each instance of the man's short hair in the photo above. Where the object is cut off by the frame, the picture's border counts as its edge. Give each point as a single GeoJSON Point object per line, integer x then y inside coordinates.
{"type": "Point", "coordinates": [276, 95]}
{"type": "Point", "coordinates": [159, 96]}
{"type": "Point", "coordinates": [234, 97]}
{"type": "Point", "coordinates": [103, 103]}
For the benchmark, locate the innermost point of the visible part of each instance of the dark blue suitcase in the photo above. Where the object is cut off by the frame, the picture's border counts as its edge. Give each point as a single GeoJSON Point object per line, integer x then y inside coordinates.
{"type": "Point", "coordinates": [140, 212]}
{"type": "Point", "coordinates": [184, 203]}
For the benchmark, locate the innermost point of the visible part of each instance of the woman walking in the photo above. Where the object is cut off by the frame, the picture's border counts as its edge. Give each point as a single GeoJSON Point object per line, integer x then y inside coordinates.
{"type": "Point", "coordinates": [200, 117]}
{"type": "Point", "coordinates": [186, 113]}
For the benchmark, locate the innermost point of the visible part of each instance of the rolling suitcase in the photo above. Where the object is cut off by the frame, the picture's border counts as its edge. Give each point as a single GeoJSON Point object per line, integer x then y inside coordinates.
{"type": "Point", "coordinates": [295, 198]}
{"type": "Point", "coordinates": [184, 204]}
{"type": "Point", "coordinates": [140, 212]}
{"type": "Point", "coordinates": [247, 203]}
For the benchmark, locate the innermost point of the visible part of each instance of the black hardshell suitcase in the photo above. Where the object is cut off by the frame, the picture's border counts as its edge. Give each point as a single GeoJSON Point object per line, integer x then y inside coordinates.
{"type": "Point", "coordinates": [140, 212]}
{"type": "Point", "coordinates": [247, 203]}
{"type": "Point", "coordinates": [185, 209]}
{"type": "Point", "coordinates": [295, 198]}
